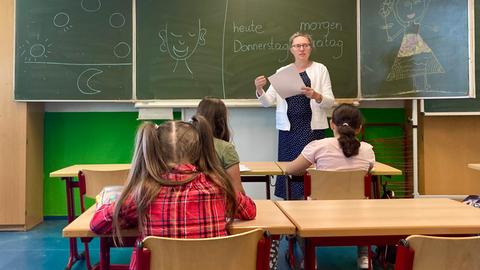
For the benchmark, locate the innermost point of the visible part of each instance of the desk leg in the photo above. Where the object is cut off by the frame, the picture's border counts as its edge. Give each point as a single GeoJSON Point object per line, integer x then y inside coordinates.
{"type": "Point", "coordinates": [309, 258]}
{"type": "Point", "coordinates": [74, 256]}
{"type": "Point", "coordinates": [287, 187]}
{"type": "Point", "coordinates": [104, 253]}
{"type": "Point", "coordinates": [267, 185]}
{"type": "Point", "coordinates": [376, 182]}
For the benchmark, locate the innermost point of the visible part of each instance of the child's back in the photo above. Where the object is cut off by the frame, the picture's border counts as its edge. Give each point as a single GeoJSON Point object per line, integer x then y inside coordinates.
{"type": "Point", "coordinates": [176, 188]}
{"type": "Point", "coordinates": [327, 155]}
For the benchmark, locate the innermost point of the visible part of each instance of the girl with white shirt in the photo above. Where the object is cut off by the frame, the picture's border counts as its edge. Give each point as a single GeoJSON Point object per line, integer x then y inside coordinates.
{"type": "Point", "coordinates": [342, 152]}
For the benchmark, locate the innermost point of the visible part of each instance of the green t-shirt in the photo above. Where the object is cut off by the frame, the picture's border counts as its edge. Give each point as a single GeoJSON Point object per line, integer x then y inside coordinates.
{"type": "Point", "coordinates": [226, 153]}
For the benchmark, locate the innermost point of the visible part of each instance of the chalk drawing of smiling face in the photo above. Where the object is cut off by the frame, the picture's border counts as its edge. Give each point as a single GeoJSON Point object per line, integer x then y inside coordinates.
{"type": "Point", "coordinates": [408, 11]}
{"type": "Point", "coordinates": [182, 45]}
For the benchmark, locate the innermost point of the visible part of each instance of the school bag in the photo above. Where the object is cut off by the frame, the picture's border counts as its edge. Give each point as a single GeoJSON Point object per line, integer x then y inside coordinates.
{"type": "Point", "coordinates": [473, 200]}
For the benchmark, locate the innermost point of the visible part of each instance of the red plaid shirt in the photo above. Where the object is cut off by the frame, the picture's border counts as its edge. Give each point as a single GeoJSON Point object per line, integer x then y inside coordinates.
{"type": "Point", "coordinates": [193, 210]}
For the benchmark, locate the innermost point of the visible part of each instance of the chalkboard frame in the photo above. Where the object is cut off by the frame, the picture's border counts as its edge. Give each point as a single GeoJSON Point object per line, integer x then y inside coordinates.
{"type": "Point", "coordinates": [133, 98]}
{"type": "Point", "coordinates": [471, 62]}
{"type": "Point", "coordinates": [459, 107]}
{"type": "Point", "coordinates": [443, 112]}
{"type": "Point", "coordinates": [65, 20]}
{"type": "Point", "coordinates": [147, 84]}
{"type": "Point", "coordinates": [254, 102]}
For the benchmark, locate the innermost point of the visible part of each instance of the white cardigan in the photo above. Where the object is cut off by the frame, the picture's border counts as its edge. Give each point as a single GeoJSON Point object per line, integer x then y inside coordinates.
{"type": "Point", "coordinates": [320, 80]}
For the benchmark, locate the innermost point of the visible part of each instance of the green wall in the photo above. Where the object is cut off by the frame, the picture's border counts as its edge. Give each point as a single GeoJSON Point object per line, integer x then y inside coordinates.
{"type": "Point", "coordinates": [83, 138]}
{"type": "Point", "coordinates": [86, 137]}
{"type": "Point", "coordinates": [389, 146]}
{"type": "Point", "coordinates": [108, 137]}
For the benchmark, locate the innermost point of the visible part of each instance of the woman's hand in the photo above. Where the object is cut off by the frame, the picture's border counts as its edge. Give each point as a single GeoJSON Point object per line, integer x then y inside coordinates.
{"type": "Point", "coordinates": [312, 94]}
{"type": "Point", "coordinates": [260, 82]}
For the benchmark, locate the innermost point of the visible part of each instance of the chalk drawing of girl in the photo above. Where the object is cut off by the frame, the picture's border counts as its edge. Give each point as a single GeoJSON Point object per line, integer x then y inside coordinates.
{"type": "Point", "coordinates": [415, 59]}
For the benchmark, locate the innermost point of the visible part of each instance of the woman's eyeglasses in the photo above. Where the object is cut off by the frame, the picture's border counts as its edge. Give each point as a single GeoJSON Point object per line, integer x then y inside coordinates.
{"type": "Point", "coordinates": [298, 46]}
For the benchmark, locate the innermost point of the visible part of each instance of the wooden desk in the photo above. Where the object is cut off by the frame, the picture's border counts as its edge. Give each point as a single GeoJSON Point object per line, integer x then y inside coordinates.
{"type": "Point", "coordinates": [259, 172]}
{"type": "Point", "coordinates": [381, 169]}
{"type": "Point", "coordinates": [256, 168]}
{"type": "Point", "coordinates": [72, 171]}
{"type": "Point", "coordinates": [378, 170]}
{"type": "Point", "coordinates": [475, 166]}
{"type": "Point", "coordinates": [376, 222]}
{"type": "Point", "coordinates": [68, 174]}
{"type": "Point", "coordinates": [269, 217]}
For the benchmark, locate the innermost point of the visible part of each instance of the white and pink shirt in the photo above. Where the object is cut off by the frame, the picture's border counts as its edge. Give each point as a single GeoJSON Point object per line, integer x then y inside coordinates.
{"type": "Point", "coordinates": [327, 154]}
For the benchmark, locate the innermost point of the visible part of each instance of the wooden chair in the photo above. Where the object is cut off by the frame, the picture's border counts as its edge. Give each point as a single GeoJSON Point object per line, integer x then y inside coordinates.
{"type": "Point", "coordinates": [90, 183]}
{"type": "Point", "coordinates": [337, 185]}
{"type": "Point", "coordinates": [244, 251]}
{"type": "Point", "coordinates": [421, 252]}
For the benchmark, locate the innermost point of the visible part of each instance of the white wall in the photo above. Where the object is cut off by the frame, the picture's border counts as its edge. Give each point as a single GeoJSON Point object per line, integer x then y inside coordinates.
{"type": "Point", "coordinates": [255, 139]}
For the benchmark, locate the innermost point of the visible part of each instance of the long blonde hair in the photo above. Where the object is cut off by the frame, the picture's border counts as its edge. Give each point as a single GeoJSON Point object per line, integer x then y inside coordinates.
{"type": "Point", "coordinates": [158, 149]}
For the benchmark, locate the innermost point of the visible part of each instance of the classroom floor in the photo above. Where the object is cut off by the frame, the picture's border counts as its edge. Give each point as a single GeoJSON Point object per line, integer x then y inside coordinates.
{"type": "Point", "coordinates": [44, 248]}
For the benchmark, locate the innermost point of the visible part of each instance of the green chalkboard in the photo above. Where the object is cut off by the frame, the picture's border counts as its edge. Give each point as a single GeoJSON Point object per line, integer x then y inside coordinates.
{"type": "Point", "coordinates": [461, 106]}
{"type": "Point", "coordinates": [415, 49]}
{"type": "Point", "coordinates": [73, 50]}
{"type": "Point", "coordinates": [187, 49]}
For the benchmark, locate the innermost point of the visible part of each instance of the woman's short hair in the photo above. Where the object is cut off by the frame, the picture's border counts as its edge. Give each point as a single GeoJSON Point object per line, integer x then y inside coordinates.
{"type": "Point", "coordinates": [301, 34]}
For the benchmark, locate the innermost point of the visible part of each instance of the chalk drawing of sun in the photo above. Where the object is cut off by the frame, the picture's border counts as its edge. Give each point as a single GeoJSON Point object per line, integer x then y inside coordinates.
{"type": "Point", "coordinates": [33, 51]}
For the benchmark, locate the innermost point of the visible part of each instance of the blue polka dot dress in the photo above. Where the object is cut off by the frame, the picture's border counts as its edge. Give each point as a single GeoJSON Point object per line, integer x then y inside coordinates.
{"type": "Point", "coordinates": [292, 142]}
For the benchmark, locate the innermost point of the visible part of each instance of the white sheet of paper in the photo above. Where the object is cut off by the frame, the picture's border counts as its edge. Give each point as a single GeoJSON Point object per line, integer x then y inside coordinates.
{"type": "Point", "coordinates": [287, 82]}
{"type": "Point", "coordinates": [244, 168]}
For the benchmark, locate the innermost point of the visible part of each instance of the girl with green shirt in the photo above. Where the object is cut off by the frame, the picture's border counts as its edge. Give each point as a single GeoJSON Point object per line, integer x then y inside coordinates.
{"type": "Point", "coordinates": [215, 111]}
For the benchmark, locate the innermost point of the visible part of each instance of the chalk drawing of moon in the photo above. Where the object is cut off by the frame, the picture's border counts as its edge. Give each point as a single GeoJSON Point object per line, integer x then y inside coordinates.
{"type": "Point", "coordinates": [83, 81]}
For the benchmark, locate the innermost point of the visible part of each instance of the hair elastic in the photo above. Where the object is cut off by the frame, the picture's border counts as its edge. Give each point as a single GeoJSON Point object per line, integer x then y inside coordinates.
{"type": "Point", "coordinates": [345, 125]}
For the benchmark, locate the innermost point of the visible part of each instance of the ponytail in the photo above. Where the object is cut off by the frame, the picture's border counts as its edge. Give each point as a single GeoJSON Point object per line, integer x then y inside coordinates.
{"type": "Point", "coordinates": [347, 120]}
{"type": "Point", "coordinates": [347, 140]}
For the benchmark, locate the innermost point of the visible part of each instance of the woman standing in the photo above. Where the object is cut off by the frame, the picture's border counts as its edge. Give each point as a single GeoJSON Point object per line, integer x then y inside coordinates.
{"type": "Point", "coordinates": [302, 118]}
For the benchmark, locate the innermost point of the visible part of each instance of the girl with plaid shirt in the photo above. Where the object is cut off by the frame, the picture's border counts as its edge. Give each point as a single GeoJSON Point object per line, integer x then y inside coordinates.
{"type": "Point", "coordinates": [176, 187]}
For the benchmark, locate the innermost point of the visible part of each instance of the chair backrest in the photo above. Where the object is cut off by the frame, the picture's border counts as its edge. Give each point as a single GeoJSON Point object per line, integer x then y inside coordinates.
{"type": "Point", "coordinates": [231, 252]}
{"type": "Point", "coordinates": [337, 185]}
{"type": "Point", "coordinates": [91, 182]}
{"type": "Point", "coordinates": [440, 253]}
